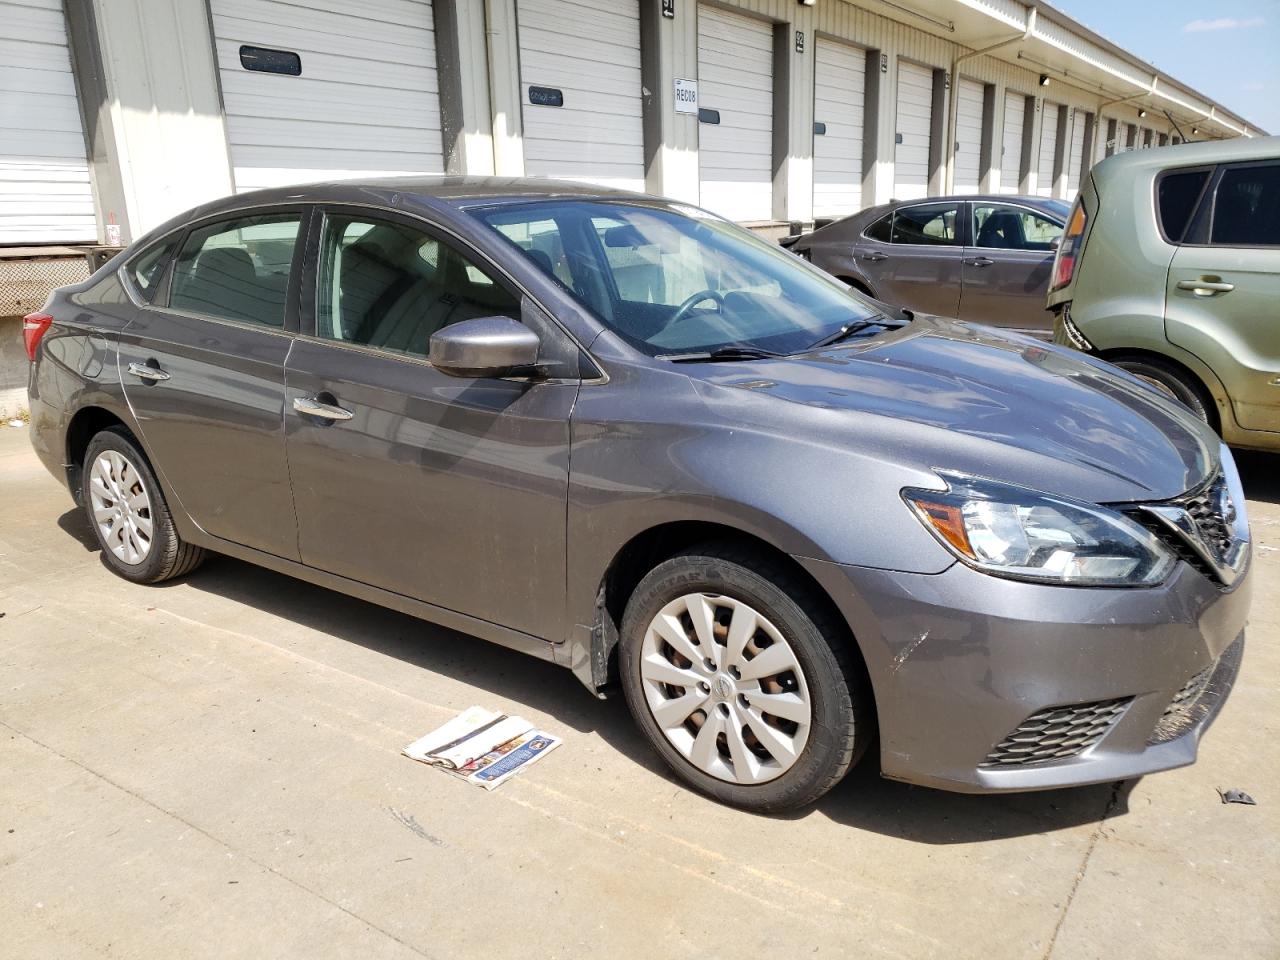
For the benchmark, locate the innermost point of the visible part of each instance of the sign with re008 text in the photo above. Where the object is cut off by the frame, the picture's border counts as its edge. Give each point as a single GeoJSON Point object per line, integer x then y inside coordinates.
{"type": "Point", "coordinates": [686, 96]}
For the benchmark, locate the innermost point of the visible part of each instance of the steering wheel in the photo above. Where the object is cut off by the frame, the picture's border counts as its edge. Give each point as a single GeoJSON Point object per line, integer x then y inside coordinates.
{"type": "Point", "coordinates": [683, 311]}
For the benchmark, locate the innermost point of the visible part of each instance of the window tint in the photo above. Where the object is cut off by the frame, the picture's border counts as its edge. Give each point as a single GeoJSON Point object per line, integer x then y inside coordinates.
{"type": "Point", "coordinates": [930, 223]}
{"type": "Point", "coordinates": [1246, 210]}
{"type": "Point", "coordinates": [1176, 196]}
{"type": "Point", "coordinates": [880, 230]}
{"type": "Point", "coordinates": [237, 269]}
{"type": "Point", "coordinates": [1001, 226]}
{"type": "Point", "coordinates": [147, 269]}
{"type": "Point", "coordinates": [386, 285]}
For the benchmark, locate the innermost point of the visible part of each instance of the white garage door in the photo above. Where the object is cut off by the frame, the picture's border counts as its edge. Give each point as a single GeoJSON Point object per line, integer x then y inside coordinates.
{"type": "Point", "coordinates": [585, 56]}
{"type": "Point", "coordinates": [45, 195]}
{"type": "Point", "coordinates": [366, 102]}
{"type": "Point", "coordinates": [1048, 149]}
{"type": "Point", "coordinates": [915, 117]}
{"type": "Point", "coordinates": [839, 87]}
{"type": "Point", "coordinates": [968, 161]}
{"type": "Point", "coordinates": [1076, 162]}
{"type": "Point", "coordinates": [735, 79]}
{"type": "Point", "coordinates": [1015, 107]}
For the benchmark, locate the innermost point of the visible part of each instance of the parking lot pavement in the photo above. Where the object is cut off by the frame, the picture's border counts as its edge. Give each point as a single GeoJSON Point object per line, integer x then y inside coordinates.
{"type": "Point", "coordinates": [212, 769]}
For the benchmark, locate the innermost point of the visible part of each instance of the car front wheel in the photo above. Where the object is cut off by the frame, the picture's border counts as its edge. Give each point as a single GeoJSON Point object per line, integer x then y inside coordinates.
{"type": "Point", "coordinates": [128, 512]}
{"type": "Point", "coordinates": [1172, 382]}
{"type": "Point", "coordinates": [742, 680]}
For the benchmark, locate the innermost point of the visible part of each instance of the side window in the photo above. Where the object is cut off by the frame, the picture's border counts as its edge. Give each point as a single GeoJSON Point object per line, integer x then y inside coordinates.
{"type": "Point", "coordinates": [386, 285]}
{"type": "Point", "coordinates": [1176, 195]}
{"type": "Point", "coordinates": [237, 269]}
{"type": "Point", "coordinates": [1246, 208]}
{"type": "Point", "coordinates": [932, 224]}
{"type": "Point", "coordinates": [880, 230]}
{"type": "Point", "coordinates": [998, 226]}
{"type": "Point", "coordinates": [146, 270]}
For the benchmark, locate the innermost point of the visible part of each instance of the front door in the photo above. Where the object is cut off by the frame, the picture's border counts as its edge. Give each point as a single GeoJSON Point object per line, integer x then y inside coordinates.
{"type": "Point", "coordinates": [1007, 265]}
{"type": "Point", "coordinates": [447, 490]}
{"type": "Point", "coordinates": [919, 267]}
{"type": "Point", "coordinates": [203, 370]}
{"type": "Point", "coordinates": [1223, 298]}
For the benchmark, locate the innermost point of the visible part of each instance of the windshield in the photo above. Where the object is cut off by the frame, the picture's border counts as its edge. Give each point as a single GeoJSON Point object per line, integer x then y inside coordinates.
{"type": "Point", "coordinates": [675, 280]}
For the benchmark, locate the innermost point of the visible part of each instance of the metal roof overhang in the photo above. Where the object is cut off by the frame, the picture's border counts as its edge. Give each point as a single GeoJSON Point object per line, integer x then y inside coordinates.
{"type": "Point", "coordinates": [1043, 40]}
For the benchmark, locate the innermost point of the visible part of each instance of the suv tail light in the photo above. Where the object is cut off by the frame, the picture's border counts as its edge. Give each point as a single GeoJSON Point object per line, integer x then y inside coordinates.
{"type": "Point", "coordinates": [34, 326]}
{"type": "Point", "coordinates": [1064, 265]}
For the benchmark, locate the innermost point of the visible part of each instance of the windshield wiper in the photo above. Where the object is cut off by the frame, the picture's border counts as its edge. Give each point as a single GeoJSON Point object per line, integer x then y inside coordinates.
{"type": "Point", "coordinates": [850, 329]}
{"type": "Point", "coordinates": [721, 353]}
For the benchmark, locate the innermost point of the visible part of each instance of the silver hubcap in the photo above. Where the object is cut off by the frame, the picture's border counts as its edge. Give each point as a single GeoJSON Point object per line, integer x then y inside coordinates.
{"type": "Point", "coordinates": [121, 507]}
{"type": "Point", "coordinates": [725, 688]}
{"type": "Point", "coordinates": [1159, 385]}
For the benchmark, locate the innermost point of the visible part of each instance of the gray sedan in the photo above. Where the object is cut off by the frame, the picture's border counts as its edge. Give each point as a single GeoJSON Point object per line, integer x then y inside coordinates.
{"type": "Point", "coordinates": [984, 259]}
{"type": "Point", "coordinates": [626, 436]}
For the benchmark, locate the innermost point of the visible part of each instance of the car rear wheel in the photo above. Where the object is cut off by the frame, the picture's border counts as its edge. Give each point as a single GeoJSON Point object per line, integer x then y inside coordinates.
{"type": "Point", "coordinates": [128, 512]}
{"type": "Point", "coordinates": [1172, 382]}
{"type": "Point", "coordinates": [741, 681]}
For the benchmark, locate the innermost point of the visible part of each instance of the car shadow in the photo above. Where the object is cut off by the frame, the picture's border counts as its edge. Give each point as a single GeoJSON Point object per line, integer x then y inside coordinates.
{"type": "Point", "coordinates": [863, 800]}
{"type": "Point", "coordinates": [1259, 474]}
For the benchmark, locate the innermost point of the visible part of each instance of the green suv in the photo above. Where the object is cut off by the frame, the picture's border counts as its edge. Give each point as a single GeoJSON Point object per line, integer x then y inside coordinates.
{"type": "Point", "coordinates": [1170, 268]}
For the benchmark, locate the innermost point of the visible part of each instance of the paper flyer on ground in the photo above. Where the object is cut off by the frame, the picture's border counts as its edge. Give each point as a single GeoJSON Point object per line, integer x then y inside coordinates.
{"type": "Point", "coordinates": [483, 746]}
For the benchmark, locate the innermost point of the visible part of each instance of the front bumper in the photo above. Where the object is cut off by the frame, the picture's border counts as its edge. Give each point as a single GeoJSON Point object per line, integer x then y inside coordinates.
{"type": "Point", "coordinates": [960, 660]}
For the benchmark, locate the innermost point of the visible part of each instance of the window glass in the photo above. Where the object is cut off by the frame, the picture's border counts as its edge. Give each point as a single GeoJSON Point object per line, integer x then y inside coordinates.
{"type": "Point", "coordinates": [1176, 198]}
{"type": "Point", "coordinates": [1000, 226]}
{"type": "Point", "coordinates": [1246, 210]}
{"type": "Point", "coordinates": [880, 229]}
{"type": "Point", "coordinates": [671, 279]}
{"type": "Point", "coordinates": [147, 269]}
{"type": "Point", "coordinates": [391, 286]}
{"type": "Point", "coordinates": [237, 269]}
{"type": "Point", "coordinates": [933, 224]}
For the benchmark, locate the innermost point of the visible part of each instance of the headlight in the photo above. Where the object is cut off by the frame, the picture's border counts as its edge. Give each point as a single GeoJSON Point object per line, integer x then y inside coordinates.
{"type": "Point", "coordinates": [1014, 532]}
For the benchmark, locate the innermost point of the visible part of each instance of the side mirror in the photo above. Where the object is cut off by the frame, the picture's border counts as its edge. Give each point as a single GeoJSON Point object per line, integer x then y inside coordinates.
{"type": "Point", "coordinates": [484, 347]}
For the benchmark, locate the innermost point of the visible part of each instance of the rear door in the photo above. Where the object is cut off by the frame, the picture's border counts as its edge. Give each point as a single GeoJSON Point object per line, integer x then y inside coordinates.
{"type": "Point", "coordinates": [203, 372]}
{"type": "Point", "coordinates": [1007, 264]}
{"type": "Point", "coordinates": [448, 490]}
{"type": "Point", "coordinates": [1223, 299]}
{"type": "Point", "coordinates": [920, 265]}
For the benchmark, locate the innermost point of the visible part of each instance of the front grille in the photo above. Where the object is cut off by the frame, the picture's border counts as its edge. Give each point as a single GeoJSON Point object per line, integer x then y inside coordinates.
{"type": "Point", "coordinates": [1213, 513]}
{"type": "Point", "coordinates": [1057, 733]}
{"type": "Point", "coordinates": [1180, 714]}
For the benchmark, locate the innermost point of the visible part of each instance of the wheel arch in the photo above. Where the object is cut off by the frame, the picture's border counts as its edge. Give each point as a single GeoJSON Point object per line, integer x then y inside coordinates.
{"type": "Point", "coordinates": [652, 546]}
{"type": "Point", "coordinates": [83, 426]}
{"type": "Point", "coordinates": [1198, 375]}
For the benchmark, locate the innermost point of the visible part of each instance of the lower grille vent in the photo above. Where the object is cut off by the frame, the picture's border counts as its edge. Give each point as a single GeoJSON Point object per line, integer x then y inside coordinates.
{"type": "Point", "coordinates": [1056, 733]}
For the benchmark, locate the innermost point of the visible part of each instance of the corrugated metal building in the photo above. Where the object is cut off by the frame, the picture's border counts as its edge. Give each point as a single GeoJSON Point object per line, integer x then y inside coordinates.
{"type": "Point", "coordinates": [114, 116]}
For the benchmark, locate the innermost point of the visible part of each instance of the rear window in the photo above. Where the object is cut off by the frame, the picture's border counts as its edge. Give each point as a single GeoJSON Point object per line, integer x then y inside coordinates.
{"type": "Point", "coordinates": [146, 270]}
{"type": "Point", "coordinates": [1246, 210]}
{"type": "Point", "coordinates": [1176, 196]}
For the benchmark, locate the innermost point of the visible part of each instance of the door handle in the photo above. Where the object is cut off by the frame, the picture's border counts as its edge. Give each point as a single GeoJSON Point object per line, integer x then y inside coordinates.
{"type": "Point", "coordinates": [145, 371]}
{"type": "Point", "coordinates": [875, 256]}
{"type": "Point", "coordinates": [315, 407]}
{"type": "Point", "coordinates": [979, 261]}
{"type": "Point", "coordinates": [1206, 286]}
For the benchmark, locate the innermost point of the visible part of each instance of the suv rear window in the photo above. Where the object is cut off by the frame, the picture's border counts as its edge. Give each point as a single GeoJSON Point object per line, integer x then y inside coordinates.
{"type": "Point", "coordinates": [1246, 210]}
{"type": "Point", "coordinates": [1176, 196]}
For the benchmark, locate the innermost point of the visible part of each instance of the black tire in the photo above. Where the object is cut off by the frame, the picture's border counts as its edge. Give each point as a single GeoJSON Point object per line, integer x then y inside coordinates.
{"type": "Point", "coordinates": [1175, 382]}
{"type": "Point", "coordinates": [841, 722]}
{"type": "Point", "coordinates": [168, 555]}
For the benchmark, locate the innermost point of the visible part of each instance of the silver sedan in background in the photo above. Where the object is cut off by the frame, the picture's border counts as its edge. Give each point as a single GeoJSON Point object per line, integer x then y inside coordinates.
{"type": "Point", "coordinates": [985, 259]}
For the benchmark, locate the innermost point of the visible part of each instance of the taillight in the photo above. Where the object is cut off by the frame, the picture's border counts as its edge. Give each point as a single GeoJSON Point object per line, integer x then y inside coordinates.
{"type": "Point", "coordinates": [34, 326]}
{"type": "Point", "coordinates": [1064, 267]}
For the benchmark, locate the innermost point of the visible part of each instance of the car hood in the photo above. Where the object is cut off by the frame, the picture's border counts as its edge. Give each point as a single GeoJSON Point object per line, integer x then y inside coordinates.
{"type": "Point", "coordinates": [939, 394]}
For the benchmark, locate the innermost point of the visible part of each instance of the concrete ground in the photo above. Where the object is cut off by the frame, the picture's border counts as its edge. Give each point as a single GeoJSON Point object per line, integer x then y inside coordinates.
{"type": "Point", "coordinates": [213, 769]}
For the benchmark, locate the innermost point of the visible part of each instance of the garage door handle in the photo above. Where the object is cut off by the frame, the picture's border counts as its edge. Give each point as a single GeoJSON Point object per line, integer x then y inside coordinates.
{"type": "Point", "coordinates": [315, 407]}
{"type": "Point", "coordinates": [875, 256]}
{"type": "Point", "coordinates": [979, 261]}
{"type": "Point", "coordinates": [1205, 286]}
{"type": "Point", "coordinates": [144, 371]}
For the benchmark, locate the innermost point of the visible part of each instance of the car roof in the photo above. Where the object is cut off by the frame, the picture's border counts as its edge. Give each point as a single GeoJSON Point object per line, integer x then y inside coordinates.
{"type": "Point", "coordinates": [1153, 160]}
